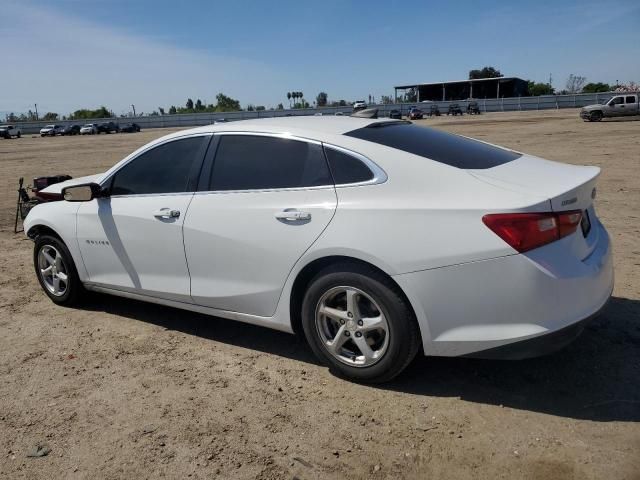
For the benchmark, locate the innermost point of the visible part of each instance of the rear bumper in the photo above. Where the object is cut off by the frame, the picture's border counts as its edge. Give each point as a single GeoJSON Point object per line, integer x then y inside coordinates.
{"type": "Point", "coordinates": [537, 346]}
{"type": "Point", "coordinates": [544, 295]}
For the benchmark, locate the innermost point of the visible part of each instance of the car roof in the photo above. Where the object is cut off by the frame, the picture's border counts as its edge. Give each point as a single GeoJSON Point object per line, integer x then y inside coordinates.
{"type": "Point", "coordinates": [308, 126]}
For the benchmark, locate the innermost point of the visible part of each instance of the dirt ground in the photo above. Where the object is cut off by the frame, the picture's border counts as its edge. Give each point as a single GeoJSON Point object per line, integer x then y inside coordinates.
{"type": "Point", "coordinates": [122, 389]}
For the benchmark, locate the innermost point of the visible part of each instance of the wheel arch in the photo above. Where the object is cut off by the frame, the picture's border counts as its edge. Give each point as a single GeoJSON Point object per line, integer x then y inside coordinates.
{"type": "Point", "coordinates": [40, 229]}
{"type": "Point", "coordinates": [306, 274]}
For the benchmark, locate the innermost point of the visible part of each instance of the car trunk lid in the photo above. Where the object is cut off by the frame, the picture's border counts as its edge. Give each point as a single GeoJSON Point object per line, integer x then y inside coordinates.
{"type": "Point", "coordinates": [567, 187]}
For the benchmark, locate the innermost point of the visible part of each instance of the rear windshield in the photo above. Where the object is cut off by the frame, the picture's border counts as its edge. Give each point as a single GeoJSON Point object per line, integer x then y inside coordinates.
{"type": "Point", "coordinates": [442, 147]}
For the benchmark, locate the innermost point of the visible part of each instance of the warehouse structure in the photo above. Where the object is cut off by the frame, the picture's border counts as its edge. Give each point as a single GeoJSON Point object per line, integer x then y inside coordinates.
{"type": "Point", "coordinates": [464, 89]}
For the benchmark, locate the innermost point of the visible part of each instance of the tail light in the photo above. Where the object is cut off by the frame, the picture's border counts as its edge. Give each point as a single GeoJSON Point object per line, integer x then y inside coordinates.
{"type": "Point", "coordinates": [526, 231]}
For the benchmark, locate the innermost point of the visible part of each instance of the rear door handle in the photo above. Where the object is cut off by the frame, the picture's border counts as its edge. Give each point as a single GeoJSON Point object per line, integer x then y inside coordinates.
{"type": "Point", "coordinates": [292, 215]}
{"type": "Point", "coordinates": [166, 213]}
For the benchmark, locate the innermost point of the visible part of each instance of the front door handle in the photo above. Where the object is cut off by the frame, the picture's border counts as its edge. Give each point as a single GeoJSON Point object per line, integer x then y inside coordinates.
{"type": "Point", "coordinates": [166, 213]}
{"type": "Point", "coordinates": [292, 215]}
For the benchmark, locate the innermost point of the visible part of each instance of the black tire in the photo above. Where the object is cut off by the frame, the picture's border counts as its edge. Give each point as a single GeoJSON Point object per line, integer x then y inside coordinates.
{"type": "Point", "coordinates": [595, 116]}
{"type": "Point", "coordinates": [19, 134]}
{"type": "Point", "coordinates": [74, 288]}
{"type": "Point", "coordinates": [404, 335]}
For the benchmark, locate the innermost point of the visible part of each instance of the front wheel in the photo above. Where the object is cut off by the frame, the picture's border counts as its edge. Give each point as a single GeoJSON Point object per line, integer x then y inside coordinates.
{"type": "Point", "coordinates": [595, 116]}
{"type": "Point", "coordinates": [56, 270]}
{"type": "Point", "coordinates": [359, 324]}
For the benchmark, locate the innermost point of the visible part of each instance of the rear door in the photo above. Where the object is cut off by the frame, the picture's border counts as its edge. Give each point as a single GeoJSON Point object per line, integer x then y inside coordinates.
{"type": "Point", "coordinates": [265, 200]}
{"type": "Point", "coordinates": [631, 104]}
{"type": "Point", "coordinates": [132, 240]}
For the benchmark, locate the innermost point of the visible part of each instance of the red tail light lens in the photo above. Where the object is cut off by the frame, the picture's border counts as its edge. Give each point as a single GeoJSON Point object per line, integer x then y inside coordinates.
{"type": "Point", "coordinates": [526, 231]}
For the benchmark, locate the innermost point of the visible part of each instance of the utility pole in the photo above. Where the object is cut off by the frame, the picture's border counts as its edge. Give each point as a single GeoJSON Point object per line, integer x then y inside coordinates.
{"type": "Point", "coordinates": [134, 109]}
{"type": "Point", "coordinates": [550, 78]}
{"type": "Point", "coordinates": [36, 105]}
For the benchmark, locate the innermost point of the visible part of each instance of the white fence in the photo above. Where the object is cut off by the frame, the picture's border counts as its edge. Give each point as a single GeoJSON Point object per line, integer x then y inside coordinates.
{"type": "Point", "coordinates": [486, 105]}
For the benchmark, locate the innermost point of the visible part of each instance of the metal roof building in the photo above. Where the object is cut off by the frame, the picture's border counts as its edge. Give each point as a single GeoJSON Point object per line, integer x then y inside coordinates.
{"type": "Point", "coordinates": [464, 89]}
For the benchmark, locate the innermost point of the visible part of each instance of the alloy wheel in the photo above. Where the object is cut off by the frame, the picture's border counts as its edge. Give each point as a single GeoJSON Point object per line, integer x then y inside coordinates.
{"type": "Point", "coordinates": [53, 270]}
{"type": "Point", "coordinates": [351, 326]}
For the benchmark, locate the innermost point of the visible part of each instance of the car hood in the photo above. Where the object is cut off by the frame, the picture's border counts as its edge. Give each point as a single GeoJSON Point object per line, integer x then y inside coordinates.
{"type": "Point", "coordinates": [588, 108]}
{"type": "Point", "coordinates": [57, 187]}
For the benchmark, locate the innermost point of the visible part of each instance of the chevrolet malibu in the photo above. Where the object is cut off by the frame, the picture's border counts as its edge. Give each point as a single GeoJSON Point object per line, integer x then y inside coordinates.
{"type": "Point", "coordinates": [375, 238]}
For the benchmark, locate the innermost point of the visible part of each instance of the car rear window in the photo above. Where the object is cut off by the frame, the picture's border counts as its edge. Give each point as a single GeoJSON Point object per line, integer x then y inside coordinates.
{"type": "Point", "coordinates": [442, 147]}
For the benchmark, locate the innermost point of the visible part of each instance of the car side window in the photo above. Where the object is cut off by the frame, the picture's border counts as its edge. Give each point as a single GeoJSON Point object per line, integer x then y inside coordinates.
{"type": "Point", "coordinates": [631, 99]}
{"type": "Point", "coordinates": [252, 162]}
{"type": "Point", "coordinates": [168, 168]}
{"type": "Point", "coordinates": [617, 100]}
{"type": "Point", "coordinates": [347, 168]}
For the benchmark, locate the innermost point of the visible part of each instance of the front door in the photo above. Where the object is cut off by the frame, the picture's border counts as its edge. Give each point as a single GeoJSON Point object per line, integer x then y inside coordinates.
{"type": "Point", "coordinates": [132, 240]}
{"type": "Point", "coordinates": [269, 198]}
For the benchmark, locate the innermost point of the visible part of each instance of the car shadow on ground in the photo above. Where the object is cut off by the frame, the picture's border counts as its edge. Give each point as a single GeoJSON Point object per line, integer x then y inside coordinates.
{"type": "Point", "coordinates": [595, 378]}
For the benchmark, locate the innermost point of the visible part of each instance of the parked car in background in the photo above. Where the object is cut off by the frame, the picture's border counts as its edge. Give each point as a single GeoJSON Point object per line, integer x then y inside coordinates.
{"type": "Point", "coordinates": [454, 109]}
{"type": "Point", "coordinates": [473, 108]}
{"type": "Point", "coordinates": [8, 131]}
{"type": "Point", "coordinates": [359, 105]}
{"type": "Point", "coordinates": [433, 110]}
{"type": "Point", "coordinates": [70, 130]}
{"type": "Point", "coordinates": [130, 128]}
{"type": "Point", "coordinates": [108, 127]}
{"type": "Point", "coordinates": [415, 113]}
{"type": "Point", "coordinates": [51, 130]}
{"type": "Point", "coordinates": [89, 129]}
{"type": "Point", "coordinates": [618, 106]}
{"type": "Point", "coordinates": [397, 114]}
{"type": "Point", "coordinates": [220, 120]}
{"type": "Point", "coordinates": [378, 239]}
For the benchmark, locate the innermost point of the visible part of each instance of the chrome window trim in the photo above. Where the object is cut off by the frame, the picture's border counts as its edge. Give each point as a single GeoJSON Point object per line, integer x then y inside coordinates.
{"type": "Point", "coordinates": [379, 175]}
{"type": "Point", "coordinates": [106, 180]}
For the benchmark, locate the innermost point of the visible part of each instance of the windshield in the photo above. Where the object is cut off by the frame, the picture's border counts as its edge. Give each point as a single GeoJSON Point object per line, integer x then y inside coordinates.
{"type": "Point", "coordinates": [89, 125]}
{"type": "Point", "coordinates": [453, 150]}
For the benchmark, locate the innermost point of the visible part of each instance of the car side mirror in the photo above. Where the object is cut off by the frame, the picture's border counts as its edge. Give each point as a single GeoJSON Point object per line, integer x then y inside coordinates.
{"type": "Point", "coordinates": [82, 193]}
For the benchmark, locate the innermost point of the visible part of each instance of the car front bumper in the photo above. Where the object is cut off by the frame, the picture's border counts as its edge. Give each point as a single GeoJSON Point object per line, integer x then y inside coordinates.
{"type": "Point", "coordinates": [543, 297]}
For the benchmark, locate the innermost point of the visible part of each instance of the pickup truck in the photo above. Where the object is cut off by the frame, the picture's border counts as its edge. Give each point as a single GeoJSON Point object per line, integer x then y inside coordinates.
{"type": "Point", "coordinates": [8, 131]}
{"type": "Point", "coordinates": [619, 106]}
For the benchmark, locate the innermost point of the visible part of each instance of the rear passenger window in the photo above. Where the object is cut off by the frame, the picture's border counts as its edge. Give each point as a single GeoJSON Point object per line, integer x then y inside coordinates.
{"type": "Point", "coordinates": [631, 99]}
{"type": "Point", "coordinates": [248, 162]}
{"type": "Point", "coordinates": [167, 168]}
{"type": "Point", "coordinates": [347, 168]}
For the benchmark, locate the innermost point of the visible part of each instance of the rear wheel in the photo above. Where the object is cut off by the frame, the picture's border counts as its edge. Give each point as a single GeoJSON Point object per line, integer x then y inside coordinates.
{"type": "Point", "coordinates": [358, 324]}
{"type": "Point", "coordinates": [56, 270]}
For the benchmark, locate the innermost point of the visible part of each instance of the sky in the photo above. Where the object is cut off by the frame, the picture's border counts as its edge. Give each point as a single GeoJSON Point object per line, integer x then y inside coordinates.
{"type": "Point", "coordinates": [71, 54]}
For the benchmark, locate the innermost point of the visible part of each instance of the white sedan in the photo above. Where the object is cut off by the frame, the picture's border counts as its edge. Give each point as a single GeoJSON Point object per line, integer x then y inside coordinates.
{"type": "Point", "coordinates": [373, 237]}
{"type": "Point", "coordinates": [51, 130]}
{"type": "Point", "coordinates": [89, 129]}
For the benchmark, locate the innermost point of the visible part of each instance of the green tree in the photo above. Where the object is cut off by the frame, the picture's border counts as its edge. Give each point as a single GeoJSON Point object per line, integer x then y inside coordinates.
{"type": "Point", "coordinates": [84, 113]}
{"type": "Point", "coordinates": [260, 108]}
{"type": "Point", "coordinates": [321, 99]}
{"type": "Point", "coordinates": [485, 72]}
{"type": "Point", "coordinates": [537, 89]}
{"type": "Point", "coordinates": [161, 110]}
{"type": "Point", "coordinates": [597, 88]}
{"type": "Point", "coordinates": [226, 104]}
{"type": "Point", "coordinates": [280, 106]}
{"type": "Point", "coordinates": [172, 110]}
{"type": "Point", "coordinates": [189, 104]}
{"type": "Point", "coordinates": [250, 108]}
{"type": "Point", "coordinates": [289, 98]}
{"type": "Point", "coordinates": [199, 105]}
{"type": "Point", "coordinates": [50, 117]}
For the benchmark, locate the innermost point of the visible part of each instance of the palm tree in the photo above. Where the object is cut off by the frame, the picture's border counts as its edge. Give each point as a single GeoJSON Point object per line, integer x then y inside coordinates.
{"type": "Point", "coordinates": [289, 98]}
